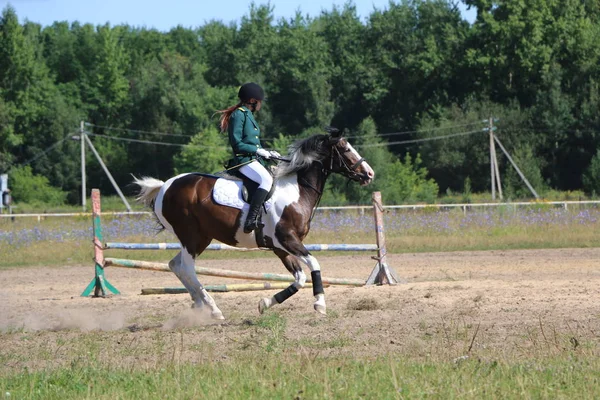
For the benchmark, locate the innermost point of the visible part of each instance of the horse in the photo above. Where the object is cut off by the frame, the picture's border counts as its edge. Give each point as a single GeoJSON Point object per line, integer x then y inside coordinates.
{"type": "Point", "coordinates": [185, 205]}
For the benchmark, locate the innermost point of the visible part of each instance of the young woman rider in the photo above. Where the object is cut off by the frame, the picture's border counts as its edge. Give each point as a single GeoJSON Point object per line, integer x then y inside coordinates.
{"type": "Point", "coordinates": [248, 154]}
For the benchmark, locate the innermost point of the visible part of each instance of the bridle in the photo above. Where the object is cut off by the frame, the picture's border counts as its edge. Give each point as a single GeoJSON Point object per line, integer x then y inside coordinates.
{"type": "Point", "coordinates": [346, 170]}
{"type": "Point", "coordinates": [349, 171]}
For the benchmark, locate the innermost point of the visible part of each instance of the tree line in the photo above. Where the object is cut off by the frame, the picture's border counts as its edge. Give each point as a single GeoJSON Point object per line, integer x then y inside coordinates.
{"type": "Point", "coordinates": [412, 86]}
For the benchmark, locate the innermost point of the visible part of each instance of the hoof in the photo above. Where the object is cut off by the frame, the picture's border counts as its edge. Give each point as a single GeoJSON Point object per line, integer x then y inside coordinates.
{"type": "Point", "coordinates": [217, 315]}
{"type": "Point", "coordinates": [262, 306]}
{"type": "Point", "coordinates": [321, 309]}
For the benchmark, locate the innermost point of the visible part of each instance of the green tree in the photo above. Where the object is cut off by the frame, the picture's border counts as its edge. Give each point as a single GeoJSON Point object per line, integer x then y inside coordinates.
{"type": "Point", "coordinates": [413, 47]}
{"type": "Point", "coordinates": [398, 181]}
{"type": "Point", "coordinates": [207, 152]}
{"type": "Point", "coordinates": [591, 177]}
{"type": "Point", "coordinates": [351, 75]}
{"type": "Point", "coordinates": [29, 188]}
{"type": "Point", "coordinates": [17, 57]}
{"type": "Point", "coordinates": [300, 73]}
{"type": "Point", "coordinates": [111, 85]}
{"type": "Point", "coordinates": [9, 140]}
{"type": "Point", "coordinates": [514, 187]}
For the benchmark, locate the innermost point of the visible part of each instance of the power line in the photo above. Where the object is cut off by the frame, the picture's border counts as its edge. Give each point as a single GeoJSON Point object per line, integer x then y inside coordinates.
{"type": "Point", "coordinates": [47, 150]}
{"type": "Point", "coordinates": [119, 138]}
{"type": "Point", "coordinates": [417, 131]}
{"type": "Point", "coordinates": [269, 139]}
{"type": "Point", "coordinates": [421, 140]}
{"type": "Point", "coordinates": [110, 128]}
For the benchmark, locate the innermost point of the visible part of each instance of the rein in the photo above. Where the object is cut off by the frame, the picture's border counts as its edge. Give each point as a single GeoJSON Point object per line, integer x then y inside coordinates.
{"type": "Point", "coordinates": [324, 174]}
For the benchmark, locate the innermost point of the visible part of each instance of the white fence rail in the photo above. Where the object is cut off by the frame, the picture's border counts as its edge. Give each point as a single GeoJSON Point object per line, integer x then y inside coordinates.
{"type": "Point", "coordinates": [463, 206]}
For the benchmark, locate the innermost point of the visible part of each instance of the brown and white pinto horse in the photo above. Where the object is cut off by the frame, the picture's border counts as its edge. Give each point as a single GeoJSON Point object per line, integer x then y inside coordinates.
{"type": "Point", "coordinates": [185, 206]}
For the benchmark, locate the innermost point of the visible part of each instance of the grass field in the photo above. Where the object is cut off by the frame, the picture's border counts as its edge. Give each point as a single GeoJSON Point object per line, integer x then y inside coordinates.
{"type": "Point", "coordinates": [263, 360]}
{"type": "Point", "coordinates": [275, 367]}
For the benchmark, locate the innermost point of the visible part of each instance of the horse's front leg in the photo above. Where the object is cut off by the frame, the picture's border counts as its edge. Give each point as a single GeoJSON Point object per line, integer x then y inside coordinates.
{"type": "Point", "coordinates": [317, 282]}
{"type": "Point", "coordinates": [293, 265]}
{"type": "Point", "coordinates": [295, 248]}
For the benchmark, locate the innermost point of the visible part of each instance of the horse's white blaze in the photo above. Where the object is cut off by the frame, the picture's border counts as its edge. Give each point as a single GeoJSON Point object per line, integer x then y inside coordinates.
{"type": "Point", "coordinates": [158, 202]}
{"type": "Point", "coordinates": [286, 192]}
{"type": "Point", "coordinates": [369, 171]}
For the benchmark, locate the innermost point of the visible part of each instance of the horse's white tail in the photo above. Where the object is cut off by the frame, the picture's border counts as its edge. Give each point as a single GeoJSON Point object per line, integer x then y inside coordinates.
{"type": "Point", "coordinates": [149, 188]}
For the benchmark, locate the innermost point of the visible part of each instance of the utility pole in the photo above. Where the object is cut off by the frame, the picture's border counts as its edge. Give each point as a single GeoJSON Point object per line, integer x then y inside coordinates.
{"type": "Point", "coordinates": [492, 158]}
{"type": "Point", "coordinates": [83, 189]}
{"type": "Point", "coordinates": [495, 171]}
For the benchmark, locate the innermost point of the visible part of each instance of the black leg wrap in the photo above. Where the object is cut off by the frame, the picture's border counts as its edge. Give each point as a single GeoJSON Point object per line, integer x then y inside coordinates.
{"type": "Point", "coordinates": [317, 282]}
{"type": "Point", "coordinates": [286, 293]}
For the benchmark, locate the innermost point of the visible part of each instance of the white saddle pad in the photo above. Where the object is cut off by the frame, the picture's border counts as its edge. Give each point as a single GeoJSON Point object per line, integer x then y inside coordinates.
{"type": "Point", "coordinates": [229, 193]}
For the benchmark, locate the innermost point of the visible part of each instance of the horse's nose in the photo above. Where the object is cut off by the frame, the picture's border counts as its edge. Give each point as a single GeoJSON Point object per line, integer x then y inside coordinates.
{"type": "Point", "coordinates": [371, 174]}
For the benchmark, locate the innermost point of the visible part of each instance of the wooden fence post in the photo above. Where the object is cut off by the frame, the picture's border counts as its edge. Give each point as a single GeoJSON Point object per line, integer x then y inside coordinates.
{"type": "Point", "coordinates": [382, 273]}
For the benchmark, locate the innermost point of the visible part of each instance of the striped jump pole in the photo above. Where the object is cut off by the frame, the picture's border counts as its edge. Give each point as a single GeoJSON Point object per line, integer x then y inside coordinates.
{"type": "Point", "coordinates": [233, 287]}
{"type": "Point", "coordinates": [99, 284]}
{"type": "Point", "coordinates": [220, 246]}
{"type": "Point", "coordinates": [224, 273]}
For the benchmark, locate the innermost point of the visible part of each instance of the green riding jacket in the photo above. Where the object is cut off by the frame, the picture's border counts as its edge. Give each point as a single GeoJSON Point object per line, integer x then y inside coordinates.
{"type": "Point", "coordinates": [244, 137]}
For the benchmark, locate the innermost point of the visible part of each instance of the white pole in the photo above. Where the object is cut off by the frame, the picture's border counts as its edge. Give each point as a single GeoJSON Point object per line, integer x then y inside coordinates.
{"type": "Point", "coordinates": [498, 183]}
{"type": "Point", "coordinates": [492, 169]}
{"type": "Point", "coordinates": [83, 189]}
{"type": "Point", "coordinates": [110, 177]}
{"type": "Point", "coordinates": [496, 171]}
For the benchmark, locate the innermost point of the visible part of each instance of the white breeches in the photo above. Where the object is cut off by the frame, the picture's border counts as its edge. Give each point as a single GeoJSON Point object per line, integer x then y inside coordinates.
{"type": "Point", "coordinates": [258, 174]}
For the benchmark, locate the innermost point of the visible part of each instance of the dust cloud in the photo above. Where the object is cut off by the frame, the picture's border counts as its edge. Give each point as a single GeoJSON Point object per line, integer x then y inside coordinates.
{"type": "Point", "coordinates": [84, 320]}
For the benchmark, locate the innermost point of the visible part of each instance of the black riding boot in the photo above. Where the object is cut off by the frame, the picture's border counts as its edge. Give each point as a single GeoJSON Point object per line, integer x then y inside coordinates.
{"type": "Point", "coordinates": [257, 201]}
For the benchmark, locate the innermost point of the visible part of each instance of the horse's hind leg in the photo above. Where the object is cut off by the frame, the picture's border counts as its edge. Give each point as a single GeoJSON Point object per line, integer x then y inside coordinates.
{"type": "Point", "coordinates": [183, 265]}
{"type": "Point", "coordinates": [293, 265]}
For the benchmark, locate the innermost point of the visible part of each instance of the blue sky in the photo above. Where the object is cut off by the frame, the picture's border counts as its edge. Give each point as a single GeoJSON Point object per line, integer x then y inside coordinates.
{"type": "Point", "coordinates": [165, 14]}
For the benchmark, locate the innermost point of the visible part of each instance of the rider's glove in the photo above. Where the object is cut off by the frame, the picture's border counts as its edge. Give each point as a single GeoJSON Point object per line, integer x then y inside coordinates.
{"type": "Point", "coordinates": [275, 154]}
{"type": "Point", "coordinates": [263, 153]}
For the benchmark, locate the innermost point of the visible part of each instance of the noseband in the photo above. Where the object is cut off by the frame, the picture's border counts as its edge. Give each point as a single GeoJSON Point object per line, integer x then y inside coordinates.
{"type": "Point", "coordinates": [348, 171]}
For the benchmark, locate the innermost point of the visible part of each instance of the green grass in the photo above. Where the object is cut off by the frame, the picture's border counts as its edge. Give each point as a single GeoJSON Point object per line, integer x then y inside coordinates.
{"type": "Point", "coordinates": [265, 358]}
{"type": "Point", "coordinates": [268, 375]}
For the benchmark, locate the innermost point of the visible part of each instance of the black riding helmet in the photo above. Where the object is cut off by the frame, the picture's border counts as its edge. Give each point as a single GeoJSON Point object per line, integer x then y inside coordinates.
{"type": "Point", "coordinates": [249, 91]}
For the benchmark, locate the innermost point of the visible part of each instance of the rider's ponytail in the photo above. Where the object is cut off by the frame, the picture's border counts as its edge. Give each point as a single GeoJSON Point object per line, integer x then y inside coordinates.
{"type": "Point", "coordinates": [225, 115]}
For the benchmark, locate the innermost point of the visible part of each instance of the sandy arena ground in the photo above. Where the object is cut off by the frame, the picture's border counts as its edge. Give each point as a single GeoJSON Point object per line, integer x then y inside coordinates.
{"type": "Point", "coordinates": [489, 302]}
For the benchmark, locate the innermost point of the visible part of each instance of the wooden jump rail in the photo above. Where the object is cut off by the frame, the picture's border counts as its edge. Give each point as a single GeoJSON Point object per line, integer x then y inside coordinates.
{"type": "Point", "coordinates": [233, 287]}
{"type": "Point", "coordinates": [224, 273]}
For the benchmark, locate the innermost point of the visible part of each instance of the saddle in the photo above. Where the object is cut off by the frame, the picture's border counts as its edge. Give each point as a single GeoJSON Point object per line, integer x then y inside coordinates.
{"type": "Point", "coordinates": [235, 190]}
{"type": "Point", "coordinates": [248, 185]}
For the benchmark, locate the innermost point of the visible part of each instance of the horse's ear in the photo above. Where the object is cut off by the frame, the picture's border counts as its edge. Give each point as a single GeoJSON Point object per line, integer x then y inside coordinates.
{"type": "Point", "coordinates": [333, 131]}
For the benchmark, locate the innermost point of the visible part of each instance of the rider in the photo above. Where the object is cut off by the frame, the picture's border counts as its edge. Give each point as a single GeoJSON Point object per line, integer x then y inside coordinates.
{"type": "Point", "coordinates": [248, 154]}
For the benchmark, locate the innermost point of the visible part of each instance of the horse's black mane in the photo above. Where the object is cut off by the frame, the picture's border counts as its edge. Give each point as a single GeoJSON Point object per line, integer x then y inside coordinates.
{"type": "Point", "coordinates": [303, 153]}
